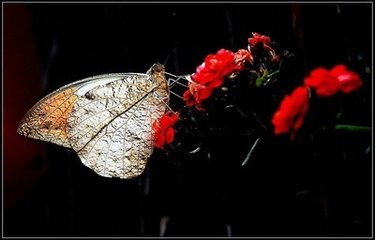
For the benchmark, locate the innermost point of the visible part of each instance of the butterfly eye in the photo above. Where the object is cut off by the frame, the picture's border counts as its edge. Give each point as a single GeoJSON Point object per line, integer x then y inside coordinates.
{"type": "Point", "coordinates": [89, 96]}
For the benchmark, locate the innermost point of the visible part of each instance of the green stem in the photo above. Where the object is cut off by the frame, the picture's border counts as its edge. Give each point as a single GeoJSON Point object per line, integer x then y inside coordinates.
{"type": "Point", "coordinates": [352, 128]}
{"type": "Point", "coordinates": [271, 74]}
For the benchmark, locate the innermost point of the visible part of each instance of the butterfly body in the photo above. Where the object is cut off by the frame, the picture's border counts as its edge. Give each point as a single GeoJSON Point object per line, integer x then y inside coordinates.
{"type": "Point", "coordinates": [106, 119]}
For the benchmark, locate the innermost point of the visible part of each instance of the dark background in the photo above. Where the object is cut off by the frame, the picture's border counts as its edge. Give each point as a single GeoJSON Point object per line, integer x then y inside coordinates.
{"type": "Point", "coordinates": [285, 191]}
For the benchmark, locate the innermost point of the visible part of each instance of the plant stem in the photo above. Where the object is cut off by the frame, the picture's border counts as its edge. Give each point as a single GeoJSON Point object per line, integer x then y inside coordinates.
{"type": "Point", "coordinates": [352, 128]}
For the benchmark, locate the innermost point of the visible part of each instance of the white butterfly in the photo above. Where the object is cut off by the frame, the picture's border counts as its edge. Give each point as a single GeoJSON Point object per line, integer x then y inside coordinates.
{"type": "Point", "coordinates": [106, 119]}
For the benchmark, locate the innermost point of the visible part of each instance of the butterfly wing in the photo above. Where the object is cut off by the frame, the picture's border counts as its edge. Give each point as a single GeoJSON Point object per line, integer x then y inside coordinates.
{"type": "Point", "coordinates": [47, 119]}
{"type": "Point", "coordinates": [106, 119]}
{"type": "Point", "coordinates": [110, 126]}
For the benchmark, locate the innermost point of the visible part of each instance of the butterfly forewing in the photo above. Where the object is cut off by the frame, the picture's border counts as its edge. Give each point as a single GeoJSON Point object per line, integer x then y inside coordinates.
{"type": "Point", "coordinates": [47, 120]}
{"type": "Point", "coordinates": [107, 120]}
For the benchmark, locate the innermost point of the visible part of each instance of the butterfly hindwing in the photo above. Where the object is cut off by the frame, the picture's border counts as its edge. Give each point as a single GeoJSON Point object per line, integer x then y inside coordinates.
{"type": "Point", "coordinates": [110, 126]}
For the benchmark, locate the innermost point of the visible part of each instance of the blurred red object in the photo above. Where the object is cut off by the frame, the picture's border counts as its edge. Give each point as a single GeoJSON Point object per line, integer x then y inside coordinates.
{"type": "Point", "coordinates": [22, 88]}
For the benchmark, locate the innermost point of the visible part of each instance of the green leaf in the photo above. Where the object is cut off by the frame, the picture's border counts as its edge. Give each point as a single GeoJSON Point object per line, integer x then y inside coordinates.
{"type": "Point", "coordinates": [261, 80]}
{"type": "Point", "coordinates": [265, 77]}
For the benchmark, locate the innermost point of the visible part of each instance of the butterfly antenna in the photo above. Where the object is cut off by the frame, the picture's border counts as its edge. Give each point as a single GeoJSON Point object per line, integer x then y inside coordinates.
{"type": "Point", "coordinates": [176, 80]}
{"type": "Point", "coordinates": [165, 63]}
{"type": "Point", "coordinates": [166, 59]}
{"type": "Point", "coordinates": [182, 77]}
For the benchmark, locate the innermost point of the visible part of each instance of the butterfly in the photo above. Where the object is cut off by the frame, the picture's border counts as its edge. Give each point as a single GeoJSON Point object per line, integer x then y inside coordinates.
{"type": "Point", "coordinates": [106, 119]}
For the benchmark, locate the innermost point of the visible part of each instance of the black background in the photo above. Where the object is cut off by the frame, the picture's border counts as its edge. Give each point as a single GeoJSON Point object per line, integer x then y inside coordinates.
{"type": "Point", "coordinates": [283, 192]}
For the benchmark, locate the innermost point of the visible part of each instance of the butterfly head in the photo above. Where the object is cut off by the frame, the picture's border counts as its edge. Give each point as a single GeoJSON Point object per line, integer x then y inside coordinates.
{"type": "Point", "coordinates": [157, 75]}
{"type": "Point", "coordinates": [156, 68]}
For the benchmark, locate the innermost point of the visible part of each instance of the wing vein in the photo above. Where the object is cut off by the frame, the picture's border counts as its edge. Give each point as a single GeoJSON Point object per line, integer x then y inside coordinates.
{"type": "Point", "coordinates": [143, 97]}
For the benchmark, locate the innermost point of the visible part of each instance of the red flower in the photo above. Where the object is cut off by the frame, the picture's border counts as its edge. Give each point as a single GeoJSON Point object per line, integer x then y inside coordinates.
{"type": "Point", "coordinates": [327, 83]}
{"type": "Point", "coordinates": [291, 113]}
{"type": "Point", "coordinates": [275, 58]}
{"type": "Point", "coordinates": [240, 57]}
{"type": "Point", "coordinates": [322, 82]}
{"type": "Point", "coordinates": [258, 39]}
{"type": "Point", "coordinates": [163, 130]}
{"type": "Point", "coordinates": [210, 75]}
{"type": "Point", "coordinates": [348, 81]}
{"type": "Point", "coordinates": [189, 98]}
{"type": "Point", "coordinates": [196, 94]}
{"type": "Point", "coordinates": [215, 68]}
{"type": "Point", "coordinates": [200, 92]}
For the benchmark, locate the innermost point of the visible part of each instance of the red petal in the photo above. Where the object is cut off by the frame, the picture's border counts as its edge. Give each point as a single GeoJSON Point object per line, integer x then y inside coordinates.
{"type": "Point", "coordinates": [159, 141]}
{"type": "Point", "coordinates": [169, 135]}
{"type": "Point", "coordinates": [291, 113]}
{"type": "Point", "coordinates": [214, 68]}
{"type": "Point", "coordinates": [189, 98]}
{"type": "Point", "coordinates": [203, 93]}
{"type": "Point", "coordinates": [215, 83]}
{"type": "Point", "coordinates": [165, 121]}
{"type": "Point", "coordinates": [350, 82]}
{"type": "Point", "coordinates": [258, 38]}
{"type": "Point", "coordinates": [323, 82]}
{"type": "Point", "coordinates": [338, 70]}
{"type": "Point", "coordinates": [205, 76]}
{"type": "Point", "coordinates": [278, 122]}
{"type": "Point", "coordinates": [174, 118]}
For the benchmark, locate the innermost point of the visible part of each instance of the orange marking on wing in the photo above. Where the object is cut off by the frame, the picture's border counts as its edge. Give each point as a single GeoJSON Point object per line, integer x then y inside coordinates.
{"type": "Point", "coordinates": [55, 111]}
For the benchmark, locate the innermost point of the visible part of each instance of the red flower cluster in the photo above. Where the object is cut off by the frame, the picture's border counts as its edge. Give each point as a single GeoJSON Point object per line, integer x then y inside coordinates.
{"type": "Point", "coordinates": [291, 113]}
{"type": "Point", "coordinates": [290, 116]}
{"type": "Point", "coordinates": [208, 76]}
{"type": "Point", "coordinates": [212, 72]}
{"type": "Point", "coordinates": [241, 57]}
{"type": "Point", "coordinates": [163, 130]}
{"type": "Point", "coordinates": [327, 83]}
{"type": "Point", "coordinates": [262, 40]}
